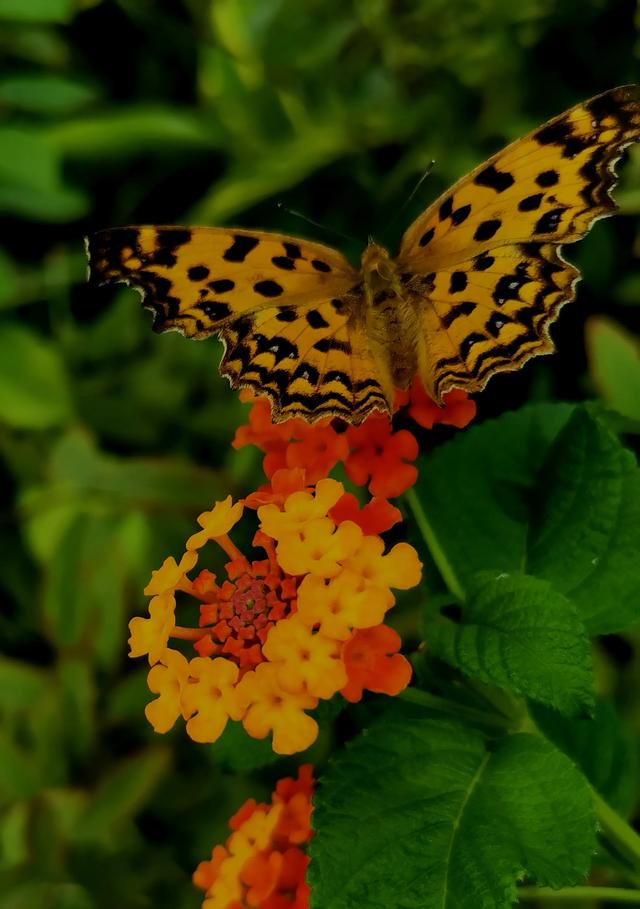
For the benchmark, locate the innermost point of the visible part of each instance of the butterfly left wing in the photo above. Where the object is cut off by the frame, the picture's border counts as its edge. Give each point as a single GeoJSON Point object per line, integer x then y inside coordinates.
{"type": "Point", "coordinates": [485, 258]}
{"type": "Point", "coordinates": [198, 279]}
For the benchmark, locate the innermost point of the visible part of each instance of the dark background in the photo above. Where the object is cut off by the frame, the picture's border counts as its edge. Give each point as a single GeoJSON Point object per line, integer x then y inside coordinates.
{"type": "Point", "coordinates": [113, 439]}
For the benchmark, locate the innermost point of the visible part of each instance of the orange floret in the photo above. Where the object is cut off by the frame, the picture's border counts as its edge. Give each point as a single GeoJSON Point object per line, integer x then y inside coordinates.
{"type": "Point", "coordinates": [372, 662]}
{"type": "Point", "coordinates": [306, 660]}
{"type": "Point", "coordinates": [380, 457]}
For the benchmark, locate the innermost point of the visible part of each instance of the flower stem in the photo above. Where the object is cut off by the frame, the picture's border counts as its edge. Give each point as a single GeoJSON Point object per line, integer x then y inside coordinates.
{"type": "Point", "coordinates": [444, 566]}
{"type": "Point", "coordinates": [573, 894]}
{"type": "Point", "coordinates": [616, 830]}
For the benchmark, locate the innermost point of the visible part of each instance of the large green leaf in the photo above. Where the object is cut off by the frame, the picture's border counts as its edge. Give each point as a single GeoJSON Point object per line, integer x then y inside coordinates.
{"type": "Point", "coordinates": [517, 632]}
{"type": "Point", "coordinates": [428, 815]}
{"type": "Point", "coordinates": [547, 491]}
{"type": "Point", "coordinates": [614, 364]}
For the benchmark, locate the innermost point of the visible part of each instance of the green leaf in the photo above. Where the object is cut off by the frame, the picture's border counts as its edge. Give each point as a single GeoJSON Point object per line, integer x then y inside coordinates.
{"type": "Point", "coordinates": [48, 895]}
{"type": "Point", "coordinates": [20, 684]}
{"type": "Point", "coordinates": [122, 793]}
{"type": "Point", "coordinates": [614, 364]}
{"type": "Point", "coordinates": [474, 490]}
{"type": "Point", "coordinates": [518, 633]}
{"type": "Point", "coordinates": [585, 531]}
{"type": "Point", "coordinates": [37, 10]}
{"type": "Point", "coordinates": [428, 815]}
{"type": "Point", "coordinates": [601, 746]}
{"type": "Point", "coordinates": [45, 93]}
{"type": "Point", "coordinates": [34, 392]}
{"type": "Point", "coordinates": [31, 183]}
{"type": "Point", "coordinates": [547, 491]}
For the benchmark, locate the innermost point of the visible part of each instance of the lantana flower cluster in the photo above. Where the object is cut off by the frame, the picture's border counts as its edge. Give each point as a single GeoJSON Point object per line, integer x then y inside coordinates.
{"type": "Point", "coordinates": [263, 863]}
{"type": "Point", "coordinates": [282, 632]}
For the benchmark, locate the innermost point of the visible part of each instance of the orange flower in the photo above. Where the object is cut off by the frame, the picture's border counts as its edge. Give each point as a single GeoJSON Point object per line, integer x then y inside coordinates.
{"type": "Point", "coordinates": [263, 864]}
{"type": "Point", "coordinates": [372, 662]}
{"type": "Point", "coordinates": [283, 483]}
{"type": "Point", "coordinates": [457, 410]}
{"type": "Point", "coordinates": [319, 549]}
{"type": "Point", "coordinates": [168, 680]}
{"type": "Point", "coordinates": [376, 516]}
{"type": "Point", "coordinates": [380, 457]}
{"type": "Point", "coordinates": [399, 568]}
{"type": "Point", "coordinates": [210, 698]}
{"type": "Point", "coordinates": [272, 709]}
{"type": "Point", "coordinates": [299, 508]}
{"type": "Point", "coordinates": [306, 660]}
{"type": "Point", "coordinates": [152, 635]}
{"type": "Point", "coordinates": [342, 604]}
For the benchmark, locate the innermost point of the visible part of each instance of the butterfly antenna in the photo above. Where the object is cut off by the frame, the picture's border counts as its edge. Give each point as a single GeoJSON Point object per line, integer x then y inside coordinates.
{"type": "Point", "coordinates": [298, 214]}
{"type": "Point", "coordinates": [413, 192]}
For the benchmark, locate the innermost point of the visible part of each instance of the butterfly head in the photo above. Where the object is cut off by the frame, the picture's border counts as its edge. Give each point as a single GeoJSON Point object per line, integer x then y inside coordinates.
{"type": "Point", "coordinates": [377, 265]}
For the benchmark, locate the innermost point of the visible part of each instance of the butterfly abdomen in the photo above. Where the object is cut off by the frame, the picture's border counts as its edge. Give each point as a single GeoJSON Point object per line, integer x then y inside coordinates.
{"type": "Point", "coordinates": [392, 321]}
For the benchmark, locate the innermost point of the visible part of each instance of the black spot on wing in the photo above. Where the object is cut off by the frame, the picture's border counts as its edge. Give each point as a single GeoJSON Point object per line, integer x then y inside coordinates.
{"type": "Point", "coordinates": [530, 203]}
{"type": "Point", "coordinates": [336, 375]}
{"type": "Point", "coordinates": [483, 262]}
{"type": "Point", "coordinates": [222, 286]}
{"type": "Point", "coordinates": [286, 314]}
{"type": "Point", "coordinates": [319, 265]}
{"type": "Point", "coordinates": [268, 288]}
{"type": "Point", "coordinates": [306, 371]}
{"type": "Point", "coordinates": [457, 282]}
{"type": "Point", "coordinates": [316, 319]}
{"type": "Point", "coordinates": [547, 178]}
{"type": "Point", "coordinates": [494, 179]}
{"type": "Point", "coordinates": [508, 288]}
{"type": "Point", "coordinates": [324, 345]}
{"type": "Point", "coordinates": [460, 214]}
{"type": "Point", "coordinates": [548, 223]}
{"type": "Point", "coordinates": [240, 248]}
{"type": "Point", "coordinates": [198, 273]}
{"type": "Point", "coordinates": [460, 309]}
{"type": "Point", "coordinates": [427, 237]}
{"type": "Point", "coordinates": [215, 309]}
{"type": "Point", "coordinates": [292, 251]}
{"type": "Point", "coordinates": [446, 208]}
{"type": "Point", "coordinates": [554, 133]}
{"type": "Point", "coordinates": [283, 262]}
{"type": "Point", "coordinates": [487, 229]}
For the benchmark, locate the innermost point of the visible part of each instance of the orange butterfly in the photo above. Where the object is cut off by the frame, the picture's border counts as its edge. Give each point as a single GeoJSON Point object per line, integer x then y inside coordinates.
{"type": "Point", "coordinates": [477, 282]}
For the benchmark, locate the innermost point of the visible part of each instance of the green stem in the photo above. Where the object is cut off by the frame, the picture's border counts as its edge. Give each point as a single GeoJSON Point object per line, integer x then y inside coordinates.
{"type": "Point", "coordinates": [433, 702]}
{"type": "Point", "coordinates": [572, 894]}
{"type": "Point", "coordinates": [444, 566]}
{"type": "Point", "coordinates": [617, 831]}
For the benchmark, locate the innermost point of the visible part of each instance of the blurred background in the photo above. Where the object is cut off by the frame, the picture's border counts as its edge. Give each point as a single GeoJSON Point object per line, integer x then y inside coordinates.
{"type": "Point", "coordinates": [112, 439]}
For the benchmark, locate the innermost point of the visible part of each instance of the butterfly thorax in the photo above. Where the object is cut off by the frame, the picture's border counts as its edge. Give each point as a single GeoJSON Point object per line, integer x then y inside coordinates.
{"type": "Point", "coordinates": [392, 319]}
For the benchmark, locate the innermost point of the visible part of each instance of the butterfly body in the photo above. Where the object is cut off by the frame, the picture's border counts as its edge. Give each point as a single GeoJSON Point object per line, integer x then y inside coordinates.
{"type": "Point", "coordinates": [477, 282]}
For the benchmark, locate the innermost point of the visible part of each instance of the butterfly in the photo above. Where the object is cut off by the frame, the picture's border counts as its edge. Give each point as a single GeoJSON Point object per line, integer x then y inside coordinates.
{"type": "Point", "coordinates": [476, 284]}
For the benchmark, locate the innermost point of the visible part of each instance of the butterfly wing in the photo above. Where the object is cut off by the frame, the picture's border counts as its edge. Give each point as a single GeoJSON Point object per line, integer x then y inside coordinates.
{"type": "Point", "coordinates": [485, 257]}
{"type": "Point", "coordinates": [285, 308]}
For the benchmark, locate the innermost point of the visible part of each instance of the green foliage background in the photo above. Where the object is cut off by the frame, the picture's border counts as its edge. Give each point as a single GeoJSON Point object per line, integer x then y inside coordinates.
{"type": "Point", "coordinates": [113, 439]}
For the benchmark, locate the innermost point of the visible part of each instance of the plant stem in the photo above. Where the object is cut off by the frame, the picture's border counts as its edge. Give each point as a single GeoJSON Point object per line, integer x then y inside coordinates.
{"type": "Point", "coordinates": [573, 894]}
{"type": "Point", "coordinates": [437, 553]}
{"type": "Point", "coordinates": [615, 829]}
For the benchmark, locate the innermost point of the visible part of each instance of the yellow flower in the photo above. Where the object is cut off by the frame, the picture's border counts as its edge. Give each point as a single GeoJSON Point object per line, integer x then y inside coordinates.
{"type": "Point", "coordinates": [168, 681]}
{"type": "Point", "coordinates": [319, 548]}
{"type": "Point", "coordinates": [305, 660]}
{"type": "Point", "coordinates": [341, 605]}
{"type": "Point", "coordinates": [170, 574]}
{"type": "Point", "coordinates": [299, 509]}
{"type": "Point", "coordinates": [150, 636]}
{"type": "Point", "coordinates": [400, 568]}
{"type": "Point", "coordinates": [216, 523]}
{"type": "Point", "coordinates": [271, 709]}
{"type": "Point", "coordinates": [209, 699]}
